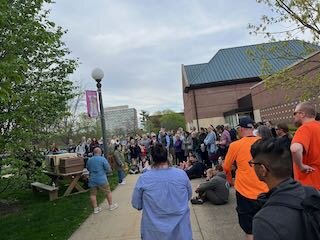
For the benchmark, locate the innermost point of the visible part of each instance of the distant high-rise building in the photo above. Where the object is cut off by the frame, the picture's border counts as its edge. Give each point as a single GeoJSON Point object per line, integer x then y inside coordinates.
{"type": "Point", "coordinates": [121, 119]}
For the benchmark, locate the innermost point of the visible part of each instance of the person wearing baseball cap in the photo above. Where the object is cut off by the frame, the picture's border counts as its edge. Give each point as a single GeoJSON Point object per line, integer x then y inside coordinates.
{"type": "Point", "coordinates": [245, 122]}
{"type": "Point", "coordinates": [247, 184]}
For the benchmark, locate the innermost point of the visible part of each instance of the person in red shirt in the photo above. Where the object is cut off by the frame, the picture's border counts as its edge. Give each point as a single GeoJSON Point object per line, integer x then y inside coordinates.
{"type": "Point", "coordinates": [305, 146]}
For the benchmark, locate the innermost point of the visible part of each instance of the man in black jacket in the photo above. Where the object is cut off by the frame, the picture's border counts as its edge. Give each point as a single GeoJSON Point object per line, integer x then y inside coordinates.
{"type": "Point", "coordinates": [272, 164]}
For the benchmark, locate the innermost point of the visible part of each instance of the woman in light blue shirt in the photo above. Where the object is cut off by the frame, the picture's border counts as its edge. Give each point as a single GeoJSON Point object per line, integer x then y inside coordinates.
{"type": "Point", "coordinates": [163, 193]}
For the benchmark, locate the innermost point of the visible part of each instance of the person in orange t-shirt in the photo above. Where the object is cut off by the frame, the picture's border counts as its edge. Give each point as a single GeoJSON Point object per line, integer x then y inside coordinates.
{"type": "Point", "coordinates": [247, 184]}
{"type": "Point", "coordinates": [305, 146]}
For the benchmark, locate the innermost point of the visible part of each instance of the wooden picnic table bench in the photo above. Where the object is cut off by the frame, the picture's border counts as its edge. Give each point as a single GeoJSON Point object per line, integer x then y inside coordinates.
{"type": "Point", "coordinates": [71, 178]}
{"type": "Point", "coordinates": [53, 191]}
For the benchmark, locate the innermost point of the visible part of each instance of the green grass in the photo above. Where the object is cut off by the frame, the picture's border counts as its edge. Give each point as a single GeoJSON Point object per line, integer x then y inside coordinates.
{"type": "Point", "coordinates": [42, 219]}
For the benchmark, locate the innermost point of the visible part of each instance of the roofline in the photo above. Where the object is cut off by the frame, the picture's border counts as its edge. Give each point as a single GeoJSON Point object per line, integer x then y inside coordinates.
{"type": "Point", "coordinates": [264, 43]}
{"type": "Point", "coordinates": [194, 64]}
{"type": "Point", "coordinates": [184, 76]}
{"type": "Point", "coordinates": [221, 83]}
{"type": "Point", "coordinates": [258, 44]}
{"type": "Point", "coordinates": [287, 68]}
{"type": "Point", "coordinates": [198, 72]}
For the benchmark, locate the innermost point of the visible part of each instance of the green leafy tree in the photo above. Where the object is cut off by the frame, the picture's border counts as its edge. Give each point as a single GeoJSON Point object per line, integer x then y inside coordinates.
{"type": "Point", "coordinates": [172, 121]}
{"type": "Point", "coordinates": [34, 66]}
{"type": "Point", "coordinates": [296, 17]}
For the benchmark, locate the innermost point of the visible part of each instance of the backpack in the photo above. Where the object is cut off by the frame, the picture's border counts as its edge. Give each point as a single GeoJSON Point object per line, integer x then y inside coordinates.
{"type": "Point", "coordinates": [310, 210]}
{"type": "Point", "coordinates": [311, 213]}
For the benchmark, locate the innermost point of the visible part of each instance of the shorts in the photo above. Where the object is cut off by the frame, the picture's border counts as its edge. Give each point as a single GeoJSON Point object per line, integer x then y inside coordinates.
{"type": "Point", "coordinates": [104, 188]}
{"type": "Point", "coordinates": [246, 209]}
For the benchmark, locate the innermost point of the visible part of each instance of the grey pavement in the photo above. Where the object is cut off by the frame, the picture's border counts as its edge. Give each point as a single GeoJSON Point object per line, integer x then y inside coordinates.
{"type": "Point", "coordinates": [208, 221]}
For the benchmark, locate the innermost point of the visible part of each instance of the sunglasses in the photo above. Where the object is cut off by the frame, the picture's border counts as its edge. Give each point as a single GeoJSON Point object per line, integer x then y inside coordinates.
{"type": "Point", "coordinates": [252, 163]}
{"type": "Point", "coordinates": [295, 113]}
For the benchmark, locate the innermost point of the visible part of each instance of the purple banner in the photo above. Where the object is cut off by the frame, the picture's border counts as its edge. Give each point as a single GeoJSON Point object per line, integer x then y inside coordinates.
{"type": "Point", "coordinates": [92, 104]}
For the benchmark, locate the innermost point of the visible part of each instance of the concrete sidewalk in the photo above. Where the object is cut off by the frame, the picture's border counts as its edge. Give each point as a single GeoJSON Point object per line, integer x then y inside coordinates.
{"type": "Point", "coordinates": [208, 221]}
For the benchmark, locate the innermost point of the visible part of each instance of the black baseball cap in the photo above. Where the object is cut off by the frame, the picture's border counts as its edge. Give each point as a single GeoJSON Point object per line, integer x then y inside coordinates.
{"type": "Point", "coordinates": [245, 122]}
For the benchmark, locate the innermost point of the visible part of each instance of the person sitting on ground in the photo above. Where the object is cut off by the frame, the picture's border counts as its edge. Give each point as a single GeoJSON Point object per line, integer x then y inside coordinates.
{"type": "Point", "coordinates": [98, 166]}
{"type": "Point", "coordinates": [216, 190]}
{"type": "Point", "coordinates": [186, 165]}
{"type": "Point", "coordinates": [210, 171]}
{"type": "Point", "coordinates": [197, 168]}
{"type": "Point", "coordinates": [280, 216]}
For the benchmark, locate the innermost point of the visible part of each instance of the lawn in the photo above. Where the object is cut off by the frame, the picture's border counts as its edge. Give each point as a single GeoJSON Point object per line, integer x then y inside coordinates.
{"type": "Point", "coordinates": [38, 218]}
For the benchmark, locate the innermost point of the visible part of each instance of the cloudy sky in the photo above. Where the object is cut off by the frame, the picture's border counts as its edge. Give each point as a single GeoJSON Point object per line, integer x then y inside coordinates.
{"type": "Point", "coordinates": [141, 44]}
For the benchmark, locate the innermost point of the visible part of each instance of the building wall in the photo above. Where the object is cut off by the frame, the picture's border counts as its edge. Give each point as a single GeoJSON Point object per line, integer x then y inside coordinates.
{"type": "Point", "coordinates": [278, 104]}
{"type": "Point", "coordinates": [275, 105]}
{"type": "Point", "coordinates": [189, 111]}
{"type": "Point", "coordinates": [213, 102]}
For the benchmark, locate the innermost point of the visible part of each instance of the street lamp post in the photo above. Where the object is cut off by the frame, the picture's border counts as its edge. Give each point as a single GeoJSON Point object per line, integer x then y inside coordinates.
{"type": "Point", "coordinates": [97, 74]}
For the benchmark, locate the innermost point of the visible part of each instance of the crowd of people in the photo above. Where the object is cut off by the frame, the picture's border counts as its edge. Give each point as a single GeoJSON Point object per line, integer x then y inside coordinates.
{"type": "Point", "coordinates": [276, 178]}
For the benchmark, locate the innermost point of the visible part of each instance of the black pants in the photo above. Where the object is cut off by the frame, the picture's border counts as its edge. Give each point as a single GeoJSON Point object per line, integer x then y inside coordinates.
{"type": "Point", "coordinates": [179, 157]}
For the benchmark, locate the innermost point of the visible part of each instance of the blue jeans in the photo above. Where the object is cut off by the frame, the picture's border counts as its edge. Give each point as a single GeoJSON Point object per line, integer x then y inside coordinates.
{"type": "Point", "coordinates": [121, 175]}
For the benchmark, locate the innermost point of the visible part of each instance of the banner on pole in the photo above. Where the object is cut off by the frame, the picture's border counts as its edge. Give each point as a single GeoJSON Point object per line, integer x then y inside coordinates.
{"type": "Point", "coordinates": [92, 104]}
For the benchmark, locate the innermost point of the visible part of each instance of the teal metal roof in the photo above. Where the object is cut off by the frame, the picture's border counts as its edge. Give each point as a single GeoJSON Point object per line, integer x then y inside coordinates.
{"type": "Point", "coordinates": [246, 62]}
{"type": "Point", "coordinates": [193, 71]}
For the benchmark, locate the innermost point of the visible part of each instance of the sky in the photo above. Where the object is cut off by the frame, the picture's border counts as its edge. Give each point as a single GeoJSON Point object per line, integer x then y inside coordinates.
{"type": "Point", "coordinates": [141, 44]}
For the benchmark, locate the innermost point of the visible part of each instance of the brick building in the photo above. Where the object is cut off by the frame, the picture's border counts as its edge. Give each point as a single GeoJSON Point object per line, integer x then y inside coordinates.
{"type": "Point", "coordinates": [277, 104]}
{"type": "Point", "coordinates": [229, 86]}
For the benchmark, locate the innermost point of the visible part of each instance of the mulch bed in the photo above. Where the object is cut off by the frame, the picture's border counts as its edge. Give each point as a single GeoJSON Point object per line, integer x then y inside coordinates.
{"type": "Point", "coordinates": [8, 207]}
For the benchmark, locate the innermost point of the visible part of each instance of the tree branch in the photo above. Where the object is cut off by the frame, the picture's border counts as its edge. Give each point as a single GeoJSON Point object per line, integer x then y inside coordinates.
{"type": "Point", "coordinates": [285, 7]}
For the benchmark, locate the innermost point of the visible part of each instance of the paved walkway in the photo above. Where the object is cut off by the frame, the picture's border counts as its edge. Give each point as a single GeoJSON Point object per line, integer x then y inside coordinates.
{"type": "Point", "coordinates": [208, 221]}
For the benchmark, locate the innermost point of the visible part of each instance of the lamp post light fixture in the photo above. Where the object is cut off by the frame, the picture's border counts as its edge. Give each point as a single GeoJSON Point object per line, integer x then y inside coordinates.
{"type": "Point", "coordinates": [97, 74]}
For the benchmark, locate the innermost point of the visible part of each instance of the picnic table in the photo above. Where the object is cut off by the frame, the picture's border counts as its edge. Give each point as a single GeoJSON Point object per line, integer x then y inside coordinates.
{"type": "Point", "coordinates": [71, 178]}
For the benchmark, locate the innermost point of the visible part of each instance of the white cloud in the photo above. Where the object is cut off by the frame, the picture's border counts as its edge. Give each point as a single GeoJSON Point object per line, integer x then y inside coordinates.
{"type": "Point", "coordinates": [141, 44]}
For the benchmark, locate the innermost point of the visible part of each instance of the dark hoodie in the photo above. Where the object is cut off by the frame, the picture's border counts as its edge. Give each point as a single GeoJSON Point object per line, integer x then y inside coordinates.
{"type": "Point", "coordinates": [217, 189]}
{"type": "Point", "coordinates": [280, 222]}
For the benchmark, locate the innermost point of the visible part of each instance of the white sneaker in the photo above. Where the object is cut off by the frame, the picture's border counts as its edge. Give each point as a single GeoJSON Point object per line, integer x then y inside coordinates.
{"type": "Point", "coordinates": [123, 182]}
{"type": "Point", "coordinates": [113, 206]}
{"type": "Point", "coordinates": [97, 210]}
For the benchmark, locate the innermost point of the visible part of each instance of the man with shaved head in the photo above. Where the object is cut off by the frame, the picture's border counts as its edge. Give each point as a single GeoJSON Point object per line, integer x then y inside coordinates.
{"type": "Point", "coordinates": [98, 166]}
{"type": "Point", "coordinates": [305, 147]}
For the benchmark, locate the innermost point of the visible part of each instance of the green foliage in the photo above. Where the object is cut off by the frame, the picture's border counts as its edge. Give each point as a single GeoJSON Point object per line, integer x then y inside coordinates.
{"type": "Point", "coordinates": [172, 121]}
{"type": "Point", "coordinates": [34, 66]}
{"type": "Point", "coordinates": [42, 219]}
{"type": "Point", "coordinates": [295, 16]}
{"type": "Point", "coordinates": [89, 126]}
{"type": "Point", "coordinates": [167, 119]}
{"type": "Point", "coordinates": [154, 123]}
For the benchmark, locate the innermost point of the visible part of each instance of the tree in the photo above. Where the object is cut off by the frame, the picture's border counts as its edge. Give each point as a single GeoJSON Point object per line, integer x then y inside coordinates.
{"type": "Point", "coordinates": [172, 121]}
{"type": "Point", "coordinates": [88, 127]}
{"type": "Point", "coordinates": [34, 66]}
{"type": "Point", "coordinates": [297, 17]}
{"type": "Point", "coordinates": [67, 128]}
